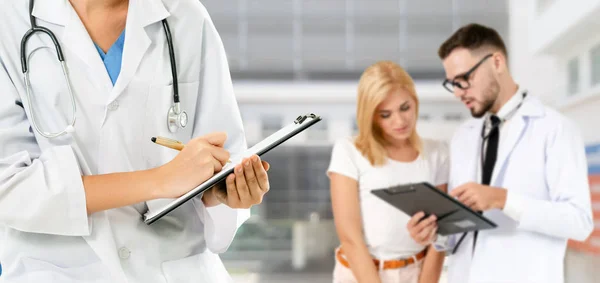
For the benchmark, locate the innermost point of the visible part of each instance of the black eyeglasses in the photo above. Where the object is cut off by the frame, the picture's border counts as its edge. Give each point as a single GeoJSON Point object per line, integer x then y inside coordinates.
{"type": "Point", "coordinates": [462, 81]}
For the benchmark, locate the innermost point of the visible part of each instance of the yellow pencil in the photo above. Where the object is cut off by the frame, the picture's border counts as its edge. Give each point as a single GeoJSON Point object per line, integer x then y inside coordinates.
{"type": "Point", "coordinates": [176, 145]}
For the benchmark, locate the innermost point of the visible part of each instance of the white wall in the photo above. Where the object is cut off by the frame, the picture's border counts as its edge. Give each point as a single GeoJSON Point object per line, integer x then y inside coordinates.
{"type": "Point", "coordinates": [538, 73]}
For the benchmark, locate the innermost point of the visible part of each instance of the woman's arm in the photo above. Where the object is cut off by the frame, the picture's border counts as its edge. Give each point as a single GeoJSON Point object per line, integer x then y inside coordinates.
{"type": "Point", "coordinates": [348, 222]}
{"type": "Point", "coordinates": [198, 161]}
{"type": "Point", "coordinates": [434, 261]}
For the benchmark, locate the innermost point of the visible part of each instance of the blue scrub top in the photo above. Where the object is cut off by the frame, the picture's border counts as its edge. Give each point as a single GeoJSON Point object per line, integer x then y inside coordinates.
{"type": "Point", "coordinates": [112, 58]}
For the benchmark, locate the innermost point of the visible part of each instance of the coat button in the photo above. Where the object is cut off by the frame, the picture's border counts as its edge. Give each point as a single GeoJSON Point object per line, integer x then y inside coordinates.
{"type": "Point", "coordinates": [113, 105]}
{"type": "Point", "coordinates": [124, 253]}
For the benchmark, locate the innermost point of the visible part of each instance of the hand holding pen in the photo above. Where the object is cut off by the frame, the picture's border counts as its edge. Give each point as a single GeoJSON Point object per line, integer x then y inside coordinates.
{"type": "Point", "coordinates": [244, 188]}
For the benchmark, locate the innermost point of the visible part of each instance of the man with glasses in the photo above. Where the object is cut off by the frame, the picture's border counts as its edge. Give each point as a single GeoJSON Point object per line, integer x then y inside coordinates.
{"type": "Point", "coordinates": [519, 162]}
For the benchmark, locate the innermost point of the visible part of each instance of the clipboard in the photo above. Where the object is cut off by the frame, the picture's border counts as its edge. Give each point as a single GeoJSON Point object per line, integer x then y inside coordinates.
{"type": "Point", "coordinates": [453, 217]}
{"type": "Point", "coordinates": [299, 124]}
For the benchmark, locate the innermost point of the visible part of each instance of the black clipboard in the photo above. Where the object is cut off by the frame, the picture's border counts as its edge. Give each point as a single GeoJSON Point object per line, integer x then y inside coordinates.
{"type": "Point", "coordinates": [300, 124]}
{"type": "Point", "coordinates": [453, 217]}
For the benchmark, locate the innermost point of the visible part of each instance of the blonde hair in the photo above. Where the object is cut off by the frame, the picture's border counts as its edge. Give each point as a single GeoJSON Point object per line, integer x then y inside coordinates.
{"type": "Point", "coordinates": [376, 82]}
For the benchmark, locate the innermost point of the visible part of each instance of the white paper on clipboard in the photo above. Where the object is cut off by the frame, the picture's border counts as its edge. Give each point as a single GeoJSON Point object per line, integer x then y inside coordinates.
{"type": "Point", "coordinates": [300, 124]}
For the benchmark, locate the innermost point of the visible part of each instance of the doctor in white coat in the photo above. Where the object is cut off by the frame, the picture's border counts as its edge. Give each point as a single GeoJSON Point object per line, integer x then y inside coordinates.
{"type": "Point", "coordinates": [71, 206]}
{"type": "Point", "coordinates": [520, 162]}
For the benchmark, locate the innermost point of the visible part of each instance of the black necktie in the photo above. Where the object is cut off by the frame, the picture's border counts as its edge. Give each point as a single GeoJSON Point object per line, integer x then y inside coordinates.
{"type": "Point", "coordinates": [489, 161]}
{"type": "Point", "coordinates": [491, 152]}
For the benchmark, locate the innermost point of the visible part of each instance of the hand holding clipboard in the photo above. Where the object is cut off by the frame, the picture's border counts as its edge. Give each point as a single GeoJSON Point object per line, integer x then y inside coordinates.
{"type": "Point", "coordinates": [299, 124]}
{"type": "Point", "coordinates": [452, 216]}
{"type": "Point", "coordinates": [244, 187]}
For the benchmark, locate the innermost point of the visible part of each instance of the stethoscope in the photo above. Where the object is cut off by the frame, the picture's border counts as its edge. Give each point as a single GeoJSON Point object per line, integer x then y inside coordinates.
{"type": "Point", "coordinates": [176, 118]}
{"type": "Point", "coordinates": [485, 134]}
{"type": "Point", "coordinates": [489, 126]}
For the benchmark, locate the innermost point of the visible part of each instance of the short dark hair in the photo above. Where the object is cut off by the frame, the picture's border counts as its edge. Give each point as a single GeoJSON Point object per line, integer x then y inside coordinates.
{"type": "Point", "coordinates": [472, 36]}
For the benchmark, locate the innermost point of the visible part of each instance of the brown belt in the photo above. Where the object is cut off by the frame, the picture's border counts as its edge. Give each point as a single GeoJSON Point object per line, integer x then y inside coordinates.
{"type": "Point", "coordinates": [387, 264]}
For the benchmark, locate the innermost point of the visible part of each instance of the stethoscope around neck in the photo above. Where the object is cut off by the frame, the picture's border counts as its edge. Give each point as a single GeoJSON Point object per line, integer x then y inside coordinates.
{"type": "Point", "coordinates": [176, 117]}
{"type": "Point", "coordinates": [492, 126]}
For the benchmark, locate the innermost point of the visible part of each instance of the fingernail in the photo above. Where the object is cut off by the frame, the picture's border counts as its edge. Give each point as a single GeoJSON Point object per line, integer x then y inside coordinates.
{"type": "Point", "coordinates": [239, 169]}
{"type": "Point", "coordinates": [255, 158]}
{"type": "Point", "coordinates": [247, 163]}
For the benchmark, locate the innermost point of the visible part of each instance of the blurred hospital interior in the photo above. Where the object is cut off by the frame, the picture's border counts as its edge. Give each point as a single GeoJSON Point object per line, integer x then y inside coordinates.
{"type": "Point", "coordinates": [290, 57]}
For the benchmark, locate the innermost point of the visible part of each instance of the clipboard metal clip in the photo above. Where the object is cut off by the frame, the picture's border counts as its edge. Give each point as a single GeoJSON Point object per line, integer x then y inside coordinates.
{"type": "Point", "coordinates": [302, 118]}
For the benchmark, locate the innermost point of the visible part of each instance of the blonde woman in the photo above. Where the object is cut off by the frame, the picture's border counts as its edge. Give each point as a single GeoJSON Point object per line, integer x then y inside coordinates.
{"type": "Point", "coordinates": [375, 243]}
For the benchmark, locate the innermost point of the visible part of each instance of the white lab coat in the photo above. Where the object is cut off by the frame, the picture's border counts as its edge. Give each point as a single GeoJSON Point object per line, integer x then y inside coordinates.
{"type": "Point", "coordinates": [45, 232]}
{"type": "Point", "coordinates": [542, 163]}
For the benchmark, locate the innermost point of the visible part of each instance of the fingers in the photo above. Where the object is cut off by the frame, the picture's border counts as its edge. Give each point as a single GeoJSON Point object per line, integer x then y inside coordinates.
{"type": "Point", "coordinates": [424, 236]}
{"type": "Point", "coordinates": [217, 166]}
{"type": "Point", "coordinates": [433, 233]}
{"type": "Point", "coordinates": [415, 220]}
{"type": "Point", "coordinates": [265, 165]}
{"type": "Point", "coordinates": [468, 200]}
{"type": "Point", "coordinates": [425, 223]}
{"type": "Point", "coordinates": [216, 138]}
{"type": "Point", "coordinates": [261, 174]}
{"type": "Point", "coordinates": [421, 228]}
{"type": "Point", "coordinates": [232, 196]}
{"type": "Point", "coordinates": [251, 178]}
{"type": "Point", "coordinates": [240, 182]}
{"type": "Point", "coordinates": [220, 154]}
{"type": "Point", "coordinates": [458, 191]}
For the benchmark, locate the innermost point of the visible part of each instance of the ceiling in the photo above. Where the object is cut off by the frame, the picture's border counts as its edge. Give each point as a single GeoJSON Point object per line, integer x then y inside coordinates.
{"type": "Point", "coordinates": [337, 39]}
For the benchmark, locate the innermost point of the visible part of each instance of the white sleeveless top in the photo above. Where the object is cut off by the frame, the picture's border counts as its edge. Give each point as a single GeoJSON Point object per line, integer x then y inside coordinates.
{"type": "Point", "coordinates": [384, 226]}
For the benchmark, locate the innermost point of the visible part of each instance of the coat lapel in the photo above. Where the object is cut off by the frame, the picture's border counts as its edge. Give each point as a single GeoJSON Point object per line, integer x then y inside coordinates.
{"type": "Point", "coordinates": [469, 144]}
{"type": "Point", "coordinates": [141, 14]}
{"type": "Point", "coordinates": [514, 133]}
{"type": "Point", "coordinates": [75, 40]}
{"type": "Point", "coordinates": [78, 41]}
{"type": "Point", "coordinates": [531, 107]}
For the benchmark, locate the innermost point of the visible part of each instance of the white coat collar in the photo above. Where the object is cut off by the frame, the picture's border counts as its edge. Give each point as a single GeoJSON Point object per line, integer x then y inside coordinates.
{"type": "Point", "coordinates": [76, 38]}
{"type": "Point", "coordinates": [51, 11]}
{"type": "Point", "coordinates": [532, 107]}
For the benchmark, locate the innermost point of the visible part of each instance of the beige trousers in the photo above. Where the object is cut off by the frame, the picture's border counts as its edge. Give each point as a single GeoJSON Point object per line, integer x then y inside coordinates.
{"type": "Point", "coordinates": [408, 274]}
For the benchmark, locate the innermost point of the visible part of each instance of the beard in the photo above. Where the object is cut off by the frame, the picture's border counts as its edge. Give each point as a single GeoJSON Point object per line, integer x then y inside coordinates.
{"type": "Point", "coordinates": [490, 94]}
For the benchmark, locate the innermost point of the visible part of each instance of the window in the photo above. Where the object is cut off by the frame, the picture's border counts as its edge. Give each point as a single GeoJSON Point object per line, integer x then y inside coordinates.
{"type": "Point", "coordinates": [595, 58]}
{"type": "Point", "coordinates": [270, 125]}
{"type": "Point", "coordinates": [573, 73]}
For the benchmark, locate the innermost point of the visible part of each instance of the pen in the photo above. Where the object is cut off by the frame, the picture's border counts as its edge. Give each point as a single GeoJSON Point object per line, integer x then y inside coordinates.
{"type": "Point", "coordinates": [176, 145]}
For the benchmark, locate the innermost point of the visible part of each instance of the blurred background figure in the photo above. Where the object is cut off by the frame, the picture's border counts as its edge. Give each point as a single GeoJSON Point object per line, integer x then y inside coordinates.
{"type": "Point", "coordinates": [294, 56]}
{"type": "Point", "coordinates": [375, 242]}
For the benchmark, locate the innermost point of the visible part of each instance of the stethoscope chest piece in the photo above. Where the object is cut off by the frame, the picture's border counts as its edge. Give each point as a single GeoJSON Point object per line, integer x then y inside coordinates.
{"type": "Point", "coordinates": [176, 118]}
